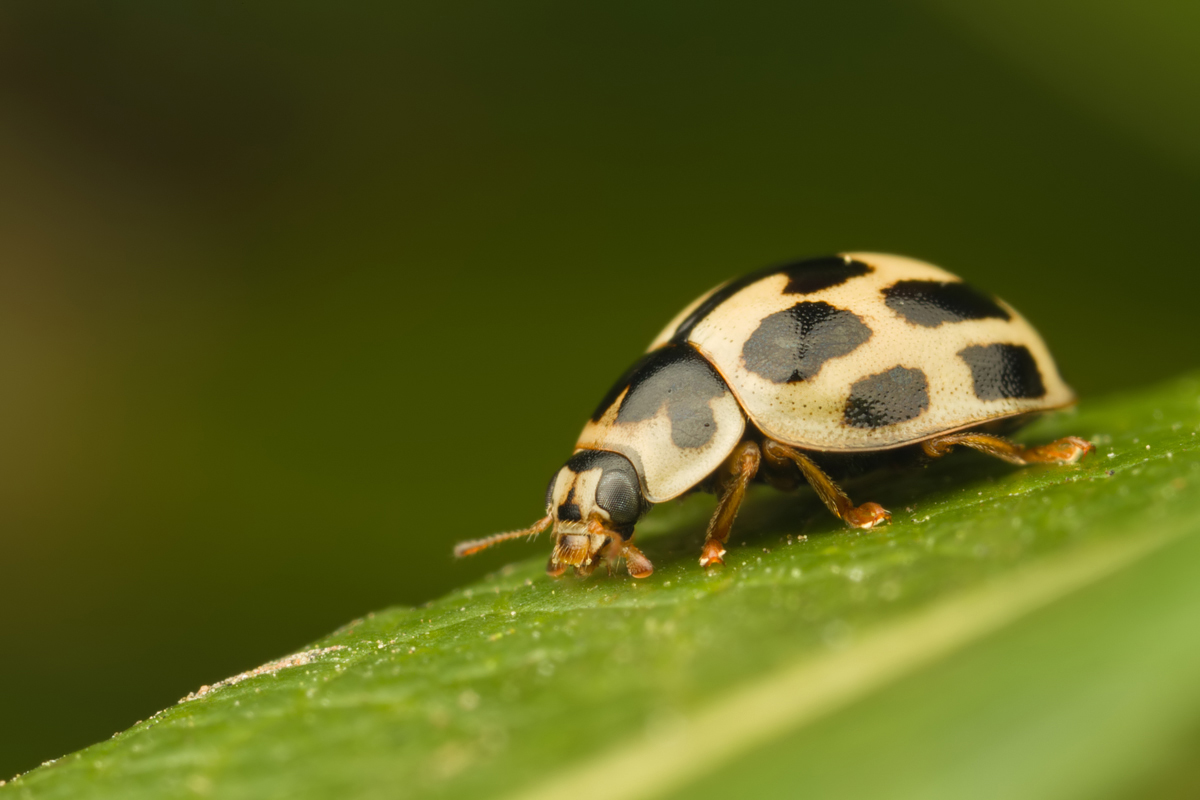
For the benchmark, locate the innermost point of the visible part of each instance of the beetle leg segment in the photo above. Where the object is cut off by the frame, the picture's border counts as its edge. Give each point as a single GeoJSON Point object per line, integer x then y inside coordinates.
{"type": "Point", "coordinates": [1063, 451]}
{"type": "Point", "coordinates": [636, 562]}
{"type": "Point", "coordinates": [619, 547]}
{"type": "Point", "coordinates": [737, 472]}
{"type": "Point", "coordinates": [868, 515]}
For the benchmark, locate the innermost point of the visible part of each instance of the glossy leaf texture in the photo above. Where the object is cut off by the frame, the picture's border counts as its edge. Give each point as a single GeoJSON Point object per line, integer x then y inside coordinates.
{"type": "Point", "coordinates": [1013, 633]}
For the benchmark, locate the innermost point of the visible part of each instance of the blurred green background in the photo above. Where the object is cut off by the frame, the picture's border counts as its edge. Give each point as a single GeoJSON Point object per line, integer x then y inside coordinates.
{"type": "Point", "coordinates": [294, 296]}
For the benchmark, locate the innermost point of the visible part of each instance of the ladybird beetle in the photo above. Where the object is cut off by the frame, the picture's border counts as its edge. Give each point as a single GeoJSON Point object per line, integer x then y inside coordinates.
{"type": "Point", "coordinates": [826, 366]}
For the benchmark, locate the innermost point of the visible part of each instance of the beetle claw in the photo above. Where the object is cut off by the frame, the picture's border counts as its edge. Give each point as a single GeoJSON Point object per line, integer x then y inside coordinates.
{"type": "Point", "coordinates": [713, 554]}
{"type": "Point", "coordinates": [868, 515]}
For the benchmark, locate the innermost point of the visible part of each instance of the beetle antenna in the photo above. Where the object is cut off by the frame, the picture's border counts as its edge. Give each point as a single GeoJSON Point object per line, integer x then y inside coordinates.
{"type": "Point", "coordinates": [473, 546]}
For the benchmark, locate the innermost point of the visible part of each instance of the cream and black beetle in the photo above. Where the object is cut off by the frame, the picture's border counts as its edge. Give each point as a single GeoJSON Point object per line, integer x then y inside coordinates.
{"type": "Point", "coordinates": [789, 373]}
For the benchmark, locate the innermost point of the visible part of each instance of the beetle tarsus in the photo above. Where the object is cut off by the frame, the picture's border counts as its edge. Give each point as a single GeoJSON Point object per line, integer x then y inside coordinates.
{"type": "Point", "coordinates": [636, 562]}
{"type": "Point", "coordinates": [868, 515]}
{"type": "Point", "coordinates": [713, 554]}
{"type": "Point", "coordinates": [1067, 450]}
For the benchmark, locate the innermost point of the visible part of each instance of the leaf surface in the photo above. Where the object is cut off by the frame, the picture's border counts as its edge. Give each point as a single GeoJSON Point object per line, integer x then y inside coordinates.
{"type": "Point", "coordinates": [1013, 632]}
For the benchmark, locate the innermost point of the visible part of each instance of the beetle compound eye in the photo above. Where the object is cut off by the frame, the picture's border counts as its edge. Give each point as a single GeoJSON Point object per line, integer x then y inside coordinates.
{"type": "Point", "coordinates": [550, 490]}
{"type": "Point", "coordinates": [619, 494]}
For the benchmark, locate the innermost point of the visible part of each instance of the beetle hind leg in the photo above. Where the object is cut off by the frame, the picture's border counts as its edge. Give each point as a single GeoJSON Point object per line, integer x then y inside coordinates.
{"type": "Point", "coordinates": [867, 515]}
{"type": "Point", "coordinates": [1067, 450]}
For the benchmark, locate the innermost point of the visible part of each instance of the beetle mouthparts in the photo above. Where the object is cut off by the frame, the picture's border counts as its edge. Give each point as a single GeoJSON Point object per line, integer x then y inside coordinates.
{"type": "Point", "coordinates": [579, 550]}
{"type": "Point", "coordinates": [572, 548]}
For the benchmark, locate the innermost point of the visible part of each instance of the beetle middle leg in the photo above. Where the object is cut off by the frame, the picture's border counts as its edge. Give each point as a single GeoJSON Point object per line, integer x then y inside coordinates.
{"type": "Point", "coordinates": [736, 473]}
{"type": "Point", "coordinates": [867, 515]}
{"type": "Point", "coordinates": [1062, 451]}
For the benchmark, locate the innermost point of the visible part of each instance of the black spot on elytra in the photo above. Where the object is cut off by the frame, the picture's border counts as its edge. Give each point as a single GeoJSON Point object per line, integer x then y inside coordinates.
{"type": "Point", "coordinates": [615, 390]}
{"type": "Point", "coordinates": [568, 510]}
{"type": "Point", "coordinates": [792, 345]}
{"type": "Point", "coordinates": [931, 303]}
{"type": "Point", "coordinates": [680, 381]}
{"type": "Point", "coordinates": [1003, 370]}
{"type": "Point", "coordinates": [815, 274]}
{"type": "Point", "coordinates": [804, 277]}
{"type": "Point", "coordinates": [898, 395]}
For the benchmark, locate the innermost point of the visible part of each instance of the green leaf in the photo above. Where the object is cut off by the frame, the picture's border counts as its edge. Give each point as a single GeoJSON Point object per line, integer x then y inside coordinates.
{"type": "Point", "coordinates": [1013, 633]}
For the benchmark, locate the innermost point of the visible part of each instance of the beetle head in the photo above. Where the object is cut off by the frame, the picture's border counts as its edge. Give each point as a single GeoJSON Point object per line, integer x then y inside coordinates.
{"type": "Point", "coordinates": [593, 502]}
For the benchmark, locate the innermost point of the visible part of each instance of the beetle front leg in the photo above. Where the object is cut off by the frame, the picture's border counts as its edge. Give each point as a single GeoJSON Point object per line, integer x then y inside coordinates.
{"type": "Point", "coordinates": [619, 548]}
{"type": "Point", "coordinates": [635, 561]}
{"type": "Point", "coordinates": [737, 472]}
{"type": "Point", "coordinates": [868, 515]}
